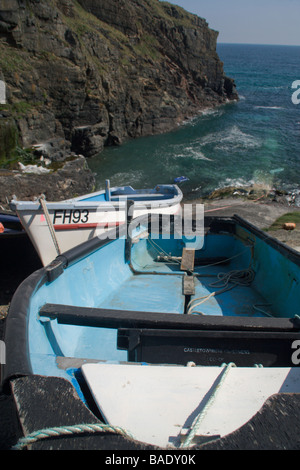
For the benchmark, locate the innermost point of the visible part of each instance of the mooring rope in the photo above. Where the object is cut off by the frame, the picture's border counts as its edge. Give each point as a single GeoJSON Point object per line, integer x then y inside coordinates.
{"type": "Point", "coordinates": [68, 431]}
{"type": "Point", "coordinates": [49, 223]}
{"type": "Point", "coordinates": [198, 420]}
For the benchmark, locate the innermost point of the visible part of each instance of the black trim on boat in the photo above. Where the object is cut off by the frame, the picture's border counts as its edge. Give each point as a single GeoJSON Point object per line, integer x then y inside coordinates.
{"type": "Point", "coordinates": [89, 247]}
{"type": "Point", "coordinates": [16, 330]}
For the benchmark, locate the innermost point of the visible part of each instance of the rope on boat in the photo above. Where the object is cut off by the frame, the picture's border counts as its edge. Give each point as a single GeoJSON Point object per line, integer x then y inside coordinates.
{"type": "Point", "coordinates": [259, 309]}
{"type": "Point", "coordinates": [235, 278]}
{"type": "Point", "coordinates": [49, 223]}
{"type": "Point", "coordinates": [177, 259]}
{"type": "Point", "coordinates": [68, 431]}
{"type": "Point", "coordinates": [198, 420]}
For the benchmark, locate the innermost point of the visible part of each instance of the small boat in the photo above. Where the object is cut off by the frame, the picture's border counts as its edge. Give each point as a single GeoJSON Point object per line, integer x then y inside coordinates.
{"type": "Point", "coordinates": [55, 227]}
{"type": "Point", "coordinates": [156, 340]}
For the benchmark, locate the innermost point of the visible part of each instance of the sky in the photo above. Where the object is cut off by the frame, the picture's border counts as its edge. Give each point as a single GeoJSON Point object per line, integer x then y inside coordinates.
{"type": "Point", "coordinates": [249, 21]}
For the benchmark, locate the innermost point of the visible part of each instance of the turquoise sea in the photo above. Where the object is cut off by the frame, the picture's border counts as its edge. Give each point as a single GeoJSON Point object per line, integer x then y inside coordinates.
{"type": "Point", "coordinates": [254, 140]}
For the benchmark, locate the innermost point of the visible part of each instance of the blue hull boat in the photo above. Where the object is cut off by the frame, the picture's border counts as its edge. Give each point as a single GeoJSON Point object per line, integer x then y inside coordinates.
{"type": "Point", "coordinates": [150, 341]}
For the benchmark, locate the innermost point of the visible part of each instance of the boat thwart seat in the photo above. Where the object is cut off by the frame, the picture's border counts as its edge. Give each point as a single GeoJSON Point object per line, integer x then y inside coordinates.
{"type": "Point", "coordinates": [177, 339]}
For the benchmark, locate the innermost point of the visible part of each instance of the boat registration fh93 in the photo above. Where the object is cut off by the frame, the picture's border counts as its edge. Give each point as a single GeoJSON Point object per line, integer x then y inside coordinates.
{"type": "Point", "coordinates": [71, 216]}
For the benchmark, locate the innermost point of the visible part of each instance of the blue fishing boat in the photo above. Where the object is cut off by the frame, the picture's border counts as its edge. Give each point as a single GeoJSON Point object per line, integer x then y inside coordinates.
{"type": "Point", "coordinates": [154, 340]}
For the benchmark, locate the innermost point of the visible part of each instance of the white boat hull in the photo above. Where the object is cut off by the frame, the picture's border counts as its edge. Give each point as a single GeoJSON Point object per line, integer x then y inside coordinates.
{"type": "Point", "coordinates": [79, 220]}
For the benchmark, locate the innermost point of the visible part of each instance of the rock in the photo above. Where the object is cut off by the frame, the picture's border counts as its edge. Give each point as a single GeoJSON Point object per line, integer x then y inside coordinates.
{"type": "Point", "coordinates": [90, 73]}
{"type": "Point", "coordinates": [73, 179]}
{"type": "Point", "coordinates": [229, 191]}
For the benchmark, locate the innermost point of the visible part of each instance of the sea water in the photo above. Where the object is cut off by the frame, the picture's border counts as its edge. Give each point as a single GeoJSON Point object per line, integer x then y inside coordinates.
{"type": "Point", "coordinates": [253, 141]}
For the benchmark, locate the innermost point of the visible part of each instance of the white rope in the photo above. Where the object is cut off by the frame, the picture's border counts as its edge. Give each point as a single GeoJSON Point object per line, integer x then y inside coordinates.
{"type": "Point", "coordinates": [261, 310]}
{"type": "Point", "coordinates": [68, 431]}
{"type": "Point", "coordinates": [235, 278]}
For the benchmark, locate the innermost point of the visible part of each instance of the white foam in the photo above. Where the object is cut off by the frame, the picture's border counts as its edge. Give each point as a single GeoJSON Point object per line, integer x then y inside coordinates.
{"type": "Point", "coordinates": [126, 178]}
{"type": "Point", "coordinates": [197, 154]}
{"type": "Point", "coordinates": [193, 151]}
{"type": "Point", "coordinates": [231, 139]}
{"type": "Point", "coordinates": [268, 107]}
{"type": "Point", "coordinates": [237, 183]}
{"type": "Point", "coordinates": [212, 112]}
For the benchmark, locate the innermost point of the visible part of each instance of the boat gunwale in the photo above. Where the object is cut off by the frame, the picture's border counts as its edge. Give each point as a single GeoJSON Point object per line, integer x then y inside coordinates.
{"type": "Point", "coordinates": [79, 202]}
{"type": "Point", "coordinates": [16, 330]}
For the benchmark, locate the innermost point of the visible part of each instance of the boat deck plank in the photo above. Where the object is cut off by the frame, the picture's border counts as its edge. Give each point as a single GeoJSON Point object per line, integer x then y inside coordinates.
{"type": "Point", "coordinates": [148, 293]}
{"type": "Point", "coordinates": [237, 300]}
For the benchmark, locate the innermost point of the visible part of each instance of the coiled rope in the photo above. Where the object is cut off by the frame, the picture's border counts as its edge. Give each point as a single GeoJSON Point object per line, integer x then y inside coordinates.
{"type": "Point", "coordinates": [226, 280]}
{"type": "Point", "coordinates": [68, 431]}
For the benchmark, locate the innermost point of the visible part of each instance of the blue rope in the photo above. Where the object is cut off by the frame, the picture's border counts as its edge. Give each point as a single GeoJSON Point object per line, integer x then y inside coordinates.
{"type": "Point", "coordinates": [68, 431]}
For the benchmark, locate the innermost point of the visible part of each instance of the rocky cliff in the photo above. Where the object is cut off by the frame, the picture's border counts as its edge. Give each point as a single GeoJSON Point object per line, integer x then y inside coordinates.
{"type": "Point", "coordinates": [88, 73]}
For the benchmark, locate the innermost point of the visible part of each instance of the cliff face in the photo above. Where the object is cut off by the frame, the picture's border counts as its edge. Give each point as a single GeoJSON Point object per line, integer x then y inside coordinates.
{"type": "Point", "coordinates": [88, 73]}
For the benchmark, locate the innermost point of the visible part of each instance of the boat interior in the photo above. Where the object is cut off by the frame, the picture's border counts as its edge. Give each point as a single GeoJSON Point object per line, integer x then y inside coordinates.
{"type": "Point", "coordinates": [143, 298]}
{"type": "Point", "coordinates": [123, 193]}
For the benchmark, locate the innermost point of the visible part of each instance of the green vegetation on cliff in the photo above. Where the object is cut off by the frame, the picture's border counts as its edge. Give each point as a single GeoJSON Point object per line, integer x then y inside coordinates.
{"type": "Point", "coordinates": [8, 140]}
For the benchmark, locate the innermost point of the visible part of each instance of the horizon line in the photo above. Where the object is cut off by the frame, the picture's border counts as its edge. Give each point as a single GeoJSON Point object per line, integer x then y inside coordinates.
{"type": "Point", "coordinates": [257, 44]}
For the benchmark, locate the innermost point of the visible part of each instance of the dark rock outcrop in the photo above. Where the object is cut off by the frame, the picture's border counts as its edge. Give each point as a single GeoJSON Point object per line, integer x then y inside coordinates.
{"type": "Point", "coordinates": [91, 73]}
{"type": "Point", "coordinates": [74, 178]}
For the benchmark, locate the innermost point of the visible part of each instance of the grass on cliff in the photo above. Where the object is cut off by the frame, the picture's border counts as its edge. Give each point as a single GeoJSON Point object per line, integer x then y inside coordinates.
{"type": "Point", "coordinates": [8, 140]}
{"type": "Point", "coordinates": [290, 217]}
{"type": "Point", "coordinates": [170, 12]}
{"type": "Point", "coordinates": [18, 109]}
{"type": "Point", "coordinates": [10, 160]}
{"type": "Point", "coordinates": [11, 151]}
{"type": "Point", "coordinates": [14, 61]}
{"type": "Point", "coordinates": [146, 46]}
